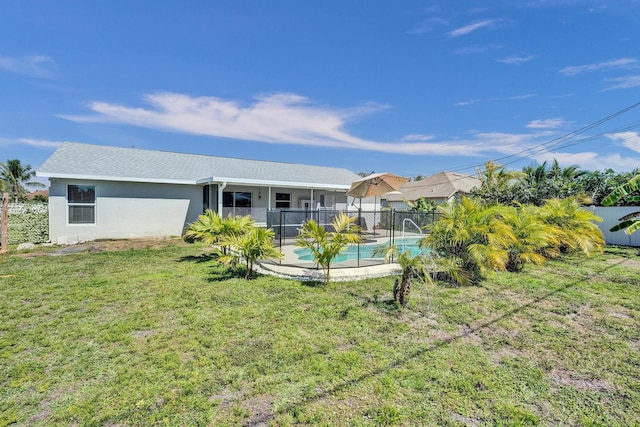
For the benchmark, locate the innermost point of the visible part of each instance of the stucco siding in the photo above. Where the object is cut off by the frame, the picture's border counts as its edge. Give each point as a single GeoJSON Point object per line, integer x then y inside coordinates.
{"type": "Point", "coordinates": [125, 210]}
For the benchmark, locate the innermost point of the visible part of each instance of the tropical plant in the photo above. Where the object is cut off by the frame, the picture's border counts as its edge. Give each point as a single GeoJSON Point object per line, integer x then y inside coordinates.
{"type": "Point", "coordinates": [207, 228]}
{"type": "Point", "coordinates": [16, 177]}
{"type": "Point", "coordinates": [495, 176]}
{"type": "Point", "coordinates": [252, 245]}
{"type": "Point", "coordinates": [214, 230]}
{"type": "Point", "coordinates": [631, 222]}
{"type": "Point", "coordinates": [473, 236]}
{"type": "Point", "coordinates": [325, 245]}
{"type": "Point", "coordinates": [530, 234]}
{"type": "Point", "coordinates": [421, 205]}
{"type": "Point", "coordinates": [575, 228]}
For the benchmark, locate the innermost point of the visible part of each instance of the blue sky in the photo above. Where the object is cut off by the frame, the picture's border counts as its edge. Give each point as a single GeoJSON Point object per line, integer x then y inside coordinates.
{"type": "Point", "coordinates": [410, 87]}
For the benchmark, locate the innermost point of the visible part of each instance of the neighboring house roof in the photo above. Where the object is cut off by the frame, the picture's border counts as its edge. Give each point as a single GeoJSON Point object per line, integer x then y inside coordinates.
{"type": "Point", "coordinates": [442, 185]}
{"type": "Point", "coordinates": [97, 162]}
{"type": "Point", "coordinates": [32, 195]}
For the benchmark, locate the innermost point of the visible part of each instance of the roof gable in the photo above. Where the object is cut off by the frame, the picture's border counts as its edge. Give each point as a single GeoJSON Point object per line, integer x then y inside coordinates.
{"type": "Point", "coordinates": [442, 185]}
{"type": "Point", "coordinates": [85, 161]}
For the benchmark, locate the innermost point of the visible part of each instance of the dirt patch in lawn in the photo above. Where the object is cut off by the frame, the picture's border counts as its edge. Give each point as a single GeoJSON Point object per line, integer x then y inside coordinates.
{"type": "Point", "coordinates": [573, 379]}
{"type": "Point", "coordinates": [627, 262]}
{"type": "Point", "coordinates": [107, 246]}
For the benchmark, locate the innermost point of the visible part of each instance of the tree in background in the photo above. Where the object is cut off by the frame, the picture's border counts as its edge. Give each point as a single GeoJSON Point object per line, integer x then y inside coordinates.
{"type": "Point", "coordinates": [16, 178]}
{"type": "Point", "coordinates": [421, 205]}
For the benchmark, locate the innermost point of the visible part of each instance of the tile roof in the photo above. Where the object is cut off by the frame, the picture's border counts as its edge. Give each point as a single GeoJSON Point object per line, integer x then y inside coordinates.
{"type": "Point", "coordinates": [85, 161]}
{"type": "Point", "coordinates": [439, 186]}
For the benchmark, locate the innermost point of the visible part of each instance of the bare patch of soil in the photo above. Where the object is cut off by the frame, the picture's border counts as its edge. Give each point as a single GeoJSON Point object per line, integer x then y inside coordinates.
{"type": "Point", "coordinates": [108, 246]}
{"type": "Point", "coordinates": [627, 262]}
{"type": "Point", "coordinates": [573, 379]}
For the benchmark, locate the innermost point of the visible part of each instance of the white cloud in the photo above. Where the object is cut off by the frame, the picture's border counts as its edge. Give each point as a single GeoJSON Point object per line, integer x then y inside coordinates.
{"type": "Point", "coordinates": [417, 137]}
{"type": "Point", "coordinates": [477, 50]}
{"type": "Point", "coordinates": [515, 59]}
{"type": "Point", "coordinates": [590, 160]}
{"type": "Point", "coordinates": [429, 25]}
{"type": "Point", "coordinates": [472, 27]}
{"type": "Point", "coordinates": [546, 124]}
{"type": "Point", "coordinates": [509, 98]}
{"type": "Point", "coordinates": [621, 63]}
{"type": "Point", "coordinates": [465, 103]}
{"type": "Point", "coordinates": [34, 65]}
{"type": "Point", "coordinates": [625, 82]}
{"type": "Point", "coordinates": [631, 140]}
{"type": "Point", "coordinates": [40, 143]}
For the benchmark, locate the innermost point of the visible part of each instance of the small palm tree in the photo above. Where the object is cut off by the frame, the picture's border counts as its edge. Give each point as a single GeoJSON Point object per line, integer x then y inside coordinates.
{"type": "Point", "coordinates": [16, 177]}
{"type": "Point", "coordinates": [252, 245]}
{"type": "Point", "coordinates": [531, 235]}
{"type": "Point", "coordinates": [207, 228]}
{"type": "Point", "coordinates": [471, 234]}
{"type": "Point", "coordinates": [325, 245]}
{"type": "Point", "coordinates": [575, 228]}
{"type": "Point", "coordinates": [213, 230]}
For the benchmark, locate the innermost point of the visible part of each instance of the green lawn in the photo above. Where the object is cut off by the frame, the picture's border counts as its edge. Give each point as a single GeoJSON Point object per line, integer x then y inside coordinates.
{"type": "Point", "coordinates": [164, 336]}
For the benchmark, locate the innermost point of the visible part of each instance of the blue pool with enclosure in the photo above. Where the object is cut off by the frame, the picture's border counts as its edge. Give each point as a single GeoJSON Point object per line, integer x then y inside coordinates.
{"type": "Point", "coordinates": [365, 251]}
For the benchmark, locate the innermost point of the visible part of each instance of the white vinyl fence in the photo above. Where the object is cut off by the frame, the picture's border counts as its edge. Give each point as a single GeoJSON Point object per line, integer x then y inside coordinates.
{"type": "Point", "coordinates": [611, 216]}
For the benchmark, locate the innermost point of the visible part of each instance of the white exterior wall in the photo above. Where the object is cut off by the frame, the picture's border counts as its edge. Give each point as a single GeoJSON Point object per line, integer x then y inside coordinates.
{"type": "Point", "coordinates": [611, 216]}
{"type": "Point", "coordinates": [125, 210]}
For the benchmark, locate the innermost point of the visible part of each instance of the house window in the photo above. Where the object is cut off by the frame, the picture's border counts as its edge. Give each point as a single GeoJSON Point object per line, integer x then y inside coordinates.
{"type": "Point", "coordinates": [81, 200]}
{"type": "Point", "coordinates": [283, 200]}
{"type": "Point", "coordinates": [231, 199]}
{"type": "Point", "coordinates": [322, 201]}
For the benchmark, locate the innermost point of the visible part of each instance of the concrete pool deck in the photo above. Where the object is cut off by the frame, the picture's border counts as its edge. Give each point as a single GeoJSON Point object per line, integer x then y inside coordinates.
{"type": "Point", "coordinates": [293, 268]}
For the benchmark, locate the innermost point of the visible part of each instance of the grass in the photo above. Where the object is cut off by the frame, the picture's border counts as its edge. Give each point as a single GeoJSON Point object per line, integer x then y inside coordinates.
{"type": "Point", "coordinates": [162, 335]}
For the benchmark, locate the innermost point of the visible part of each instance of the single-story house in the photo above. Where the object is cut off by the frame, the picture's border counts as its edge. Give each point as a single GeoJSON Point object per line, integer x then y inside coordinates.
{"type": "Point", "coordinates": [439, 188]}
{"type": "Point", "coordinates": [99, 192]}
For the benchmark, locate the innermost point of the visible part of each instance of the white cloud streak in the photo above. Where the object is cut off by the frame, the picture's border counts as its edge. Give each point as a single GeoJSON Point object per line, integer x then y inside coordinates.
{"type": "Point", "coordinates": [630, 140]}
{"type": "Point", "coordinates": [32, 66]}
{"type": "Point", "coordinates": [546, 124]}
{"type": "Point", "coordinates": [626, 82]}
{"type": "Point", "coordinates": [40, 143]}
{"type": "Point", "coordinates": [515, 59]}
{"type": "Point", "coordinates": [286, 118]}
{"type": "Point", "coordinates": [621, 63]}
{"type": "Point", "coordinates": [462, 31]}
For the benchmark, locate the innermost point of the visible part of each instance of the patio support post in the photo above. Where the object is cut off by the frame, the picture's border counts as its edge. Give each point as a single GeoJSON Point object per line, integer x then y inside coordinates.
{"type": "Point", "coordinates": [221, 187]}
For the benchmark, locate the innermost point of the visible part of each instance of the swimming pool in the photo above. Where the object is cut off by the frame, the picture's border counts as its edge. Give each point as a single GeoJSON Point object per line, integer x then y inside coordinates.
{"type": "Point", "coordinates": [366, 251]}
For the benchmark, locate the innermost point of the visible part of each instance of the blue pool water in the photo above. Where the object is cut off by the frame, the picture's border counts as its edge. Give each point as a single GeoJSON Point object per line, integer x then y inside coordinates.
{"type": "Point", "coordinates": [366, 251]}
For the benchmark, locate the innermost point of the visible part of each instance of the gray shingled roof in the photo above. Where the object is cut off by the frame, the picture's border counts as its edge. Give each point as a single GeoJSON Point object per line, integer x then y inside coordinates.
{"type": "Point", "coordinates": [439, 186]}
{"type": "Point", "coordinates": [84, 161]}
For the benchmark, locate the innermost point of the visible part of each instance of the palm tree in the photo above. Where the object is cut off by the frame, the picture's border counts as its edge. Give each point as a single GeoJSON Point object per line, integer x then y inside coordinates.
{"type": "Point", "coordinates": [213, 230]}
{"type": "Point", "coordinates": [531, 235]}
{"type": "Point", "coordinates": [16, 177]}
{"type": "Point", "coordinates": [325, 245]}
{"type": "Point", "coordinates": [575, 228]}
{"type": "Point", "coordinates": [495, 176]}
{"type": "Point", "coordinates": [473, 235]}
{"type": "Point", "coordinates": [207, 228]}
{"type": "Point", "coordinates": [255, 244]}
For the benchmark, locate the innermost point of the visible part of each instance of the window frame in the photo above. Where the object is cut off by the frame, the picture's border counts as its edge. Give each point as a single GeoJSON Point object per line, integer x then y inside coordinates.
{"type": "Point", "coordinates": [82, 204]}
{"type": "Point", "coordinates": [281, 199]}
